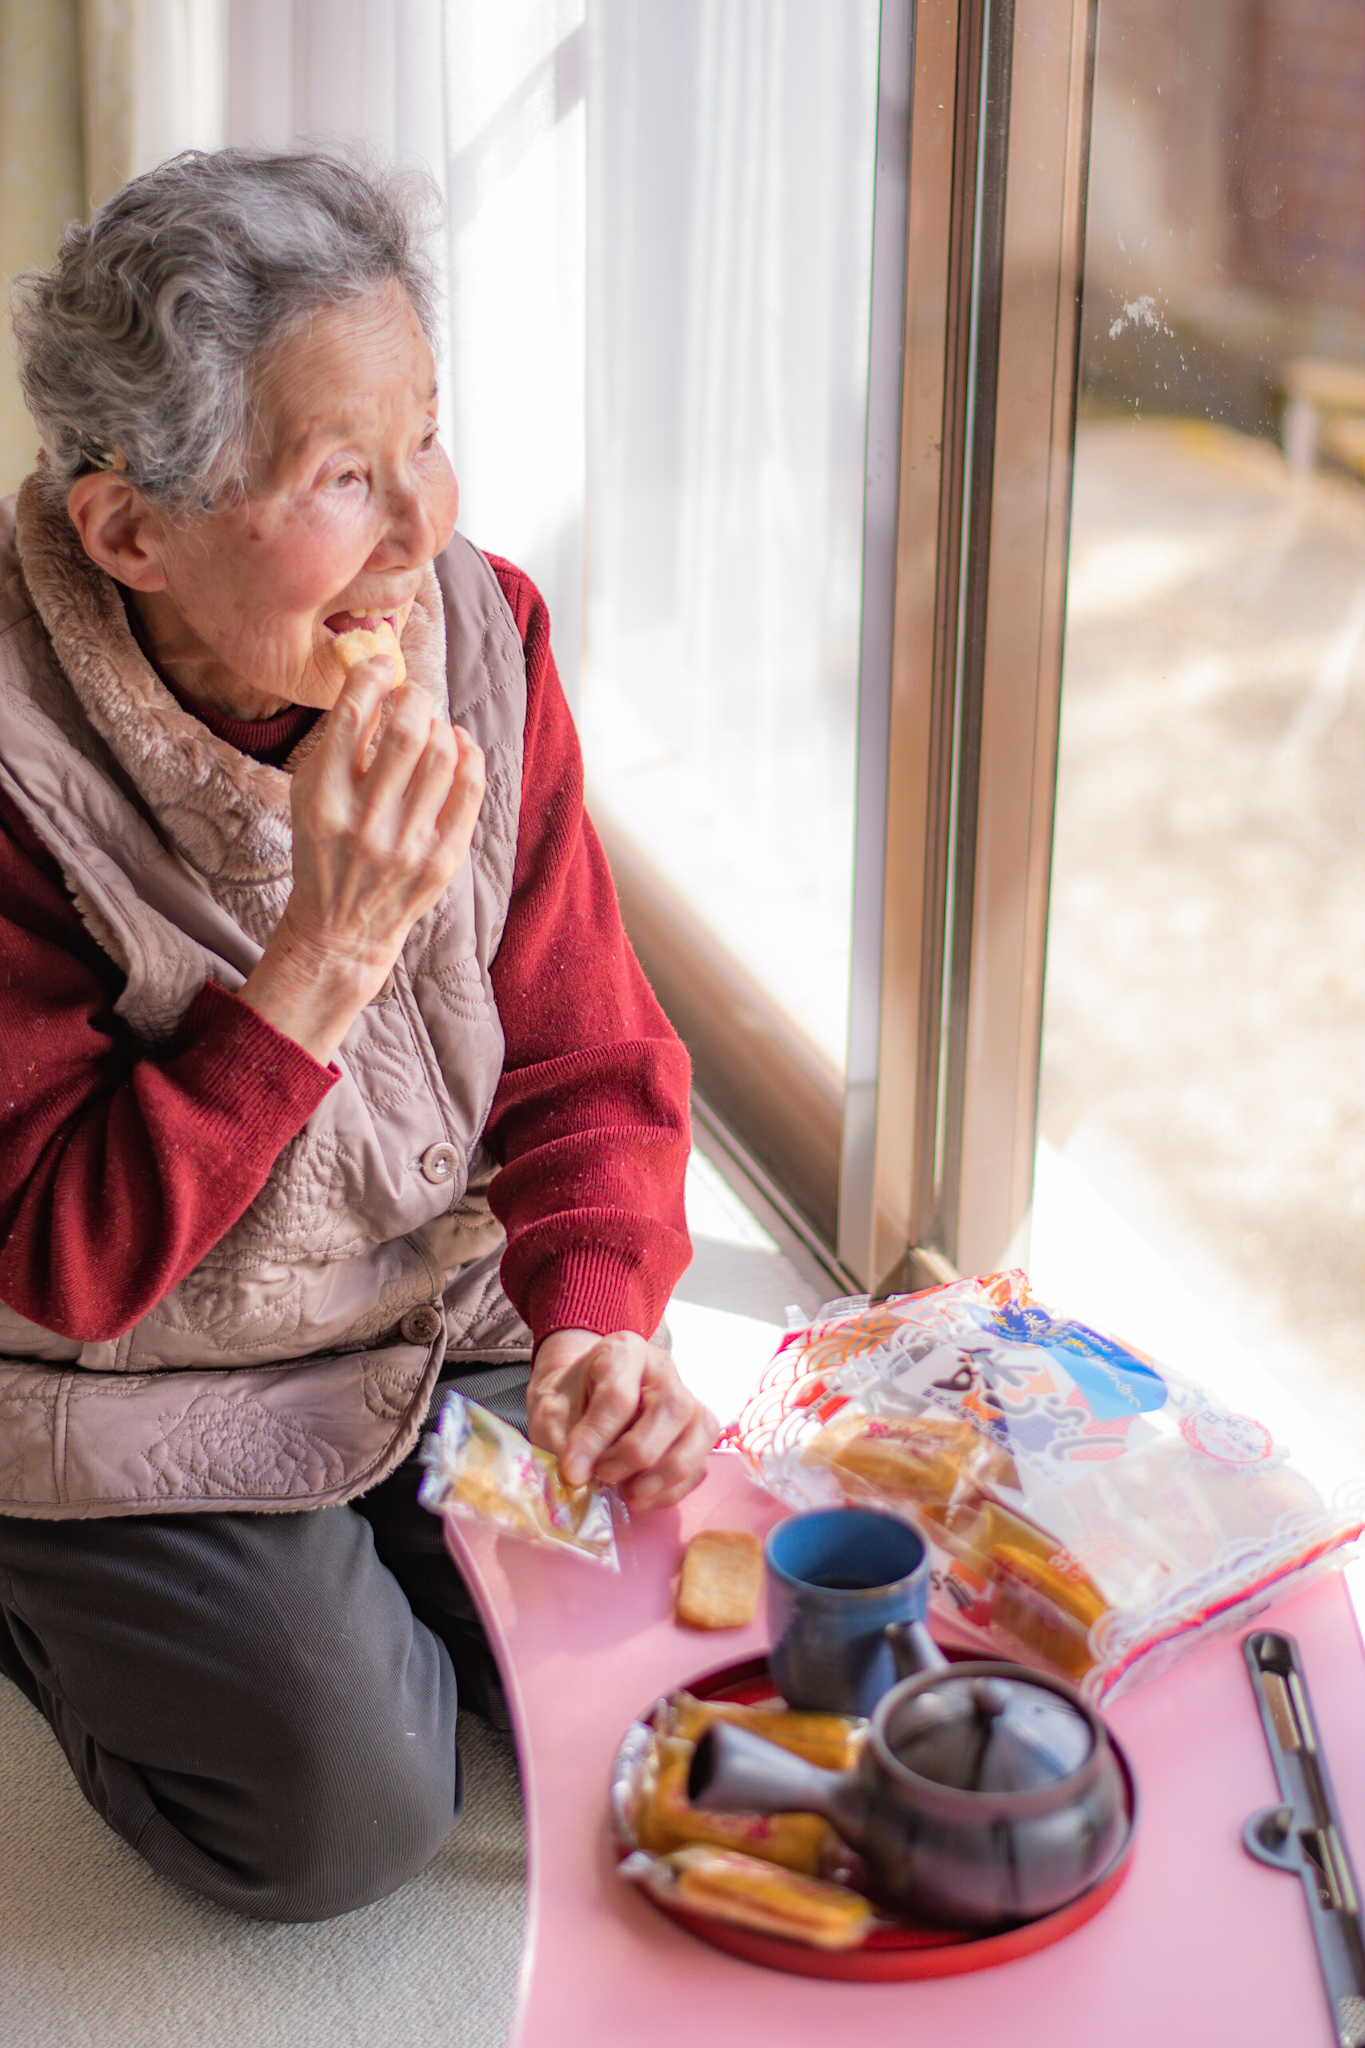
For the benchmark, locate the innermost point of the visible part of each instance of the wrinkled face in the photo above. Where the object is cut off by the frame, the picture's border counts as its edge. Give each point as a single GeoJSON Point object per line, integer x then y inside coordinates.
{"type": "Point", "coordinates": [350, 497]}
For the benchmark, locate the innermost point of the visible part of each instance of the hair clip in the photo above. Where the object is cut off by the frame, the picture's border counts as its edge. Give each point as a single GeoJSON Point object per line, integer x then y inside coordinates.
{"type": "Point", "coordinates": [99, 456]}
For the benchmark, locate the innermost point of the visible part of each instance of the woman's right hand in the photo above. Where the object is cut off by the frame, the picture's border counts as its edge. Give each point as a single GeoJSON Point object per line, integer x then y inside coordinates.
{"type": "Point", "coordinates": [374, 848]}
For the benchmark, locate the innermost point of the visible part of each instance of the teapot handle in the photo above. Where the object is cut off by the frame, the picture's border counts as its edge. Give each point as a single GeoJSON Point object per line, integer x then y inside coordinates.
{"type": "Point", "coordinates": [914, 1649]}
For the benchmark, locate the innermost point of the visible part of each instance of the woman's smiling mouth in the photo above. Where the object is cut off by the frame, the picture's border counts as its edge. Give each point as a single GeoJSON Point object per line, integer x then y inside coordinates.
{"type": "Point", "coordinates": [365, 622]}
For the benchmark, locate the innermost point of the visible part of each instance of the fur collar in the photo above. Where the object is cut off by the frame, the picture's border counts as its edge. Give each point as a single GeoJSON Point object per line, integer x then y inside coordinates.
{"type": "Point", "coordinates": [225, 813]}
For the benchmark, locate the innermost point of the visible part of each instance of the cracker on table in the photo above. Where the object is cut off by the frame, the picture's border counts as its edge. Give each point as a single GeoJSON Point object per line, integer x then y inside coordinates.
{"type": "Point", "coordinates": [722, 1577]}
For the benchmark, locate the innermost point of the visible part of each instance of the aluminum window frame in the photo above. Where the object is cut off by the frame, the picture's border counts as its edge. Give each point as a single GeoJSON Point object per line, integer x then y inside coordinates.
{"type": "Point", "coordinates": [921, 1162]}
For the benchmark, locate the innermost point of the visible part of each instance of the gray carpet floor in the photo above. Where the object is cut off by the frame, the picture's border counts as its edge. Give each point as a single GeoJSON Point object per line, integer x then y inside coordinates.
{"type": "Point", "coordinates": [96, 1952]}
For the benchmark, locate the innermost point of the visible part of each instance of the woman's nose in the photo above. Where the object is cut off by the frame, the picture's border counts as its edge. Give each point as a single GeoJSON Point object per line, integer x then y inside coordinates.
{"type": "Point", "coordinates": [410, 536]}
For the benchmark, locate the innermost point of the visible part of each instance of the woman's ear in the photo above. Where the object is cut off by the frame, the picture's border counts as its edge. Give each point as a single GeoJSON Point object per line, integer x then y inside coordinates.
{"type": "Point", "coordinates": [118, 529]}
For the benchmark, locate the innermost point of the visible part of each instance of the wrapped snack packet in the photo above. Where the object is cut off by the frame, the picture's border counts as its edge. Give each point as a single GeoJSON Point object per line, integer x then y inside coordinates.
{"type": "Point", "coordinates": [734, 1887]}
{"type": "Point", "coordinates": [480, 1467]}
{"type": "Point", "coordinates": [830, 1740]}
{"type": "Point", "coordinates": [661, 1818]}
{"type": "Point", "coordinates": [1087, 1509]}
{"type": "Point", "coordinates": [926, 1461]}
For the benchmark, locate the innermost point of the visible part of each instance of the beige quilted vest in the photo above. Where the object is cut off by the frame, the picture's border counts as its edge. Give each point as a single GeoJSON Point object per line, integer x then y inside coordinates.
{"type": "Point", "coordinates": [295, 1364]}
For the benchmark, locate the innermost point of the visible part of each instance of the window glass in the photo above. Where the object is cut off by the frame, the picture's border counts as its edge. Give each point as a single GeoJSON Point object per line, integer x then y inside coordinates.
{"type": "Point", "coordinates": [1203, 1103]}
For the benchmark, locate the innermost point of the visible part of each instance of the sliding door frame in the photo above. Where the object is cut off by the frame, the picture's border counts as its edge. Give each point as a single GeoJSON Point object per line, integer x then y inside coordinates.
{"type": "Point", "coordinates": [985, 1165]}
{"type": "Point", "coordinates": [921, 1162]}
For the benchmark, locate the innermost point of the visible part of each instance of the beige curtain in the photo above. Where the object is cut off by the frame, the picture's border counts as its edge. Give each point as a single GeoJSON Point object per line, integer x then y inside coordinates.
{"type": "Point", "coordinates": [109, 37]}
{"type": "Point", "coordinates": [42, 173]}
{"type": "Point", "coordinates": [91, 92]}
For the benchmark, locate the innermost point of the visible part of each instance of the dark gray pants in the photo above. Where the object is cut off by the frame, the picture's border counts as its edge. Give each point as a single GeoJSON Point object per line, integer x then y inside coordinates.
{"type": "Point", "coordinates": [262, 1705]}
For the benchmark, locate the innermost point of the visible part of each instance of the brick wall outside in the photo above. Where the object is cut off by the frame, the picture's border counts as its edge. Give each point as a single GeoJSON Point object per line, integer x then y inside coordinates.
{"type": "Point", "coordinates": [1257, 108]}
{"type": "Point", "coordinates": [1297, 157]}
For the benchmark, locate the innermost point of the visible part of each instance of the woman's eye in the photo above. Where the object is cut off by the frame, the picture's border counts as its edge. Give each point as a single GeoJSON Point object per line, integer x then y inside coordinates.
{"type": "Point", "coordinates": [348, 476]}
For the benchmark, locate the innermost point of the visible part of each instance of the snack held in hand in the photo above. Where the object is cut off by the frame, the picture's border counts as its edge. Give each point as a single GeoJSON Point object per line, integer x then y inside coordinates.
{"type": "Point", "coordinates": [1088, 1510]}
{"type": "Point", "coordinates": [722, 1578]}
{"type": "Point", "coordinates": [480, 1467]}
{"type": "Point", "coordinates": [731, 1886]}
{"type": "Point", "coordinates": [360, 643]}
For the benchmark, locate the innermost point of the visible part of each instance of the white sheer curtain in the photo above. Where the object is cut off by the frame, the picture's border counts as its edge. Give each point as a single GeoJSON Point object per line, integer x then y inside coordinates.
{"type": "Point", "coordinates": [731, 184]}
{"type": "Point", "coordinates": [489, 99]}
{"type": "Point", "coordinates": [153, 81]}
{"type": "Point", "coordinates": [515, 132]}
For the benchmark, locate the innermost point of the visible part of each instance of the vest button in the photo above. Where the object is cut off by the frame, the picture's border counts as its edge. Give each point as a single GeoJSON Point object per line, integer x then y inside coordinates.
{"type": "Point", "coordinates": [421, 1325]}
{"type": "Point", "coordinates": [438, 1163]}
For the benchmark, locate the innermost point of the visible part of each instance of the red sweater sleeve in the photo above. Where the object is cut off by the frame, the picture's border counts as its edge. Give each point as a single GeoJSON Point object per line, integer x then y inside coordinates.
{"type": "Point", "coordinates": [118, 1169]}
{"type": "Point", "coordinates": [590, 1120]}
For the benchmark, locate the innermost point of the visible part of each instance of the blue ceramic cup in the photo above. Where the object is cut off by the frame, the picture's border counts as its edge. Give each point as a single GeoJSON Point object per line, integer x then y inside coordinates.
{"type": "Point", "coordinates": [837, 1577]}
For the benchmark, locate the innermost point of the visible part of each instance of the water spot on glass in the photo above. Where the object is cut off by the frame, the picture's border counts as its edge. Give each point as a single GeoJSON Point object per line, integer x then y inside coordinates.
{"type": "Point", "coordinates": [1139, 312]}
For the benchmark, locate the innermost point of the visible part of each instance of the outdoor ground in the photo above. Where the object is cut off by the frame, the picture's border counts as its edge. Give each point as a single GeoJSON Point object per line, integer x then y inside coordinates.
{"type": "Point", "coordinates": [1203, 1099]}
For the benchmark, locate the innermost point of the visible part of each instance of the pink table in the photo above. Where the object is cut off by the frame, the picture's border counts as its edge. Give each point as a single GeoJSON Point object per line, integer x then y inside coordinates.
{"type": "Point", "coordinates": [1201, 1946]}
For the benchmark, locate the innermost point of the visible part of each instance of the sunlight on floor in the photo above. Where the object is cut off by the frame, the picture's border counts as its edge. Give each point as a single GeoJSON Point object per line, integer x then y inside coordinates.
{"type": "Point", "coordinates": [1203, 1094]}
{"type": "Point", "coordinates": [729, 1309]}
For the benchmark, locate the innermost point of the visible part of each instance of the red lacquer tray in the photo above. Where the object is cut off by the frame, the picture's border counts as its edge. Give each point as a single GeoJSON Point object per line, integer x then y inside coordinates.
{"type": "Point", "coordinates": [892, 1955]}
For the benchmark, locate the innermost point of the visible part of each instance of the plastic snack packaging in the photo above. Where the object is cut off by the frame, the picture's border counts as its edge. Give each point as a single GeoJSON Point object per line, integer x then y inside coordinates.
{"type": "Point", "coordinates": [661, 1818]}
{"type": "Point", "coordinates": [830, 1740]}
{"type": "Point", "coordinates": [731, 1886]}
{"type": "Point", "coordinates": [1087, 1510]}
{"type": "Point", "coordinates": [781, 1873]}
{"type": "Point", "coordinates": [481, 1468]}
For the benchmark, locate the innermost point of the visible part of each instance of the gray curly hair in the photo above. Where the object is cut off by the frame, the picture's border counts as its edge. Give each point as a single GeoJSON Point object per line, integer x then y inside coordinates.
{"type": "Point", "coordinates": [140, 348]}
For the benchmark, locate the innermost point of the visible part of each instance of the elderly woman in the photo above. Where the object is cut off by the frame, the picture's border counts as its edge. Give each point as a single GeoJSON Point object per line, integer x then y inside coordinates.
{"type": "Point", "coordinates": [326, 1072]}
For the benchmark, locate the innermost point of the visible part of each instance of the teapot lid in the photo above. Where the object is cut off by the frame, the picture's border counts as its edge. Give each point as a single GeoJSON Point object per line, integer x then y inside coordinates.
{"type": "Point", "coordinates": [988, 1734]}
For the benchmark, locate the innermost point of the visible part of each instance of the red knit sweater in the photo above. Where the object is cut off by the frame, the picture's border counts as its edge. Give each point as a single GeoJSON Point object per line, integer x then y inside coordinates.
{"type": "Point", "coordinates": [120, 1169]}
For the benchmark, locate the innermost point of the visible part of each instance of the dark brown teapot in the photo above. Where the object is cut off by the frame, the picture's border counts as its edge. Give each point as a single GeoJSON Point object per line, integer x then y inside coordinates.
{"type": "Point", "coordinates": [985, 1794]}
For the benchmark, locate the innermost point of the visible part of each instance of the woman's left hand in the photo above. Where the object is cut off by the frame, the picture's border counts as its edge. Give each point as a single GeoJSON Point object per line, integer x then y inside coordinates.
{"type": "Point", "coordinates": [613, 1408]}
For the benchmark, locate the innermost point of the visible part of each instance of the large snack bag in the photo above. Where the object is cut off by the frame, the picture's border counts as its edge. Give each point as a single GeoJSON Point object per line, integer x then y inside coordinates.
{"type": "Point", "coordinates": [1088, 1511]}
